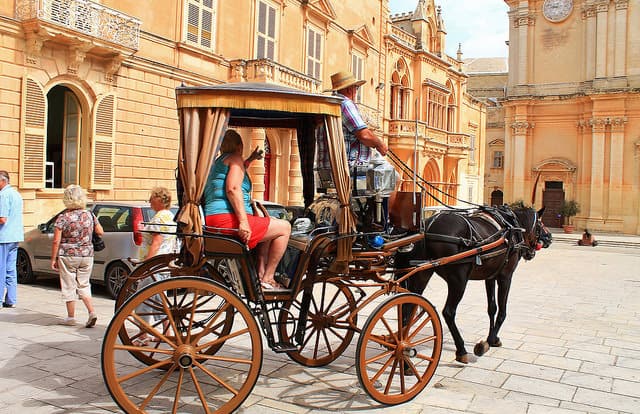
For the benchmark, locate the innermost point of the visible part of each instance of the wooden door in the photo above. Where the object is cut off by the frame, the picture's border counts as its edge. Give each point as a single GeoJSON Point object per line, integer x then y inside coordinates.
{"type": "Point", "coordinates": [552, 198]}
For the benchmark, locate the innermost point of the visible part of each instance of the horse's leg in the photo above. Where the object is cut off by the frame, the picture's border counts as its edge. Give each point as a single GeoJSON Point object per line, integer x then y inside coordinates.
{"type": "Point", "coordinates": [483, 346]}
{"type": "Point", "coordinates": [504, 285]}
{"type": "Point", "coordinates": [456, 287]}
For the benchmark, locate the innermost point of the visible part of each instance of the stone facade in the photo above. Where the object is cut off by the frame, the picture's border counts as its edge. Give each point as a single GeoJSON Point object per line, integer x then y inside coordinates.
{"type": "Point", "coordinates": [88, 88]}
{"type": "Point", "coordinates": [572, 110]}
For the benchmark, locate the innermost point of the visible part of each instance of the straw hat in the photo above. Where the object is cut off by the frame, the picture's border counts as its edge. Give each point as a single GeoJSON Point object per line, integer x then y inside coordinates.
{"type": "Point", "coordinates": [342, 80]}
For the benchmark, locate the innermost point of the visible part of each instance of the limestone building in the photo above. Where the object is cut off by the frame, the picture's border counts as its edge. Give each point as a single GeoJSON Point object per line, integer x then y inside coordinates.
{"type": "Point", "coordinates": [572, 109]}
{"type": "Point", "coordinates": [88, 89]}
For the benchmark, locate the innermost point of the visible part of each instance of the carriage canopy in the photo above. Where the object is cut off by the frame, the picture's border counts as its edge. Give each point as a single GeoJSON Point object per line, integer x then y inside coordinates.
{"type": "Point", "coordinates": [205, 112]}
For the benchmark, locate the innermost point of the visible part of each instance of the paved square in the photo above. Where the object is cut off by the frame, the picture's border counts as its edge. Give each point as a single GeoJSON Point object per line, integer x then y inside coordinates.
{"type": "Point", "coordinates": [571, 345]}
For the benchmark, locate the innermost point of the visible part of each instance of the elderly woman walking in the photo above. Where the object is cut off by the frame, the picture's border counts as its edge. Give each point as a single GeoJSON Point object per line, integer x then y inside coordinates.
{"type": "Point", "coordinates": [72, 252]}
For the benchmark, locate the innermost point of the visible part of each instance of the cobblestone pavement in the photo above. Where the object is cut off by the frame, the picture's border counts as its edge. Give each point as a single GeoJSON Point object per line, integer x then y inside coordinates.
{"type": "Point", "coordinates": [571, 345]}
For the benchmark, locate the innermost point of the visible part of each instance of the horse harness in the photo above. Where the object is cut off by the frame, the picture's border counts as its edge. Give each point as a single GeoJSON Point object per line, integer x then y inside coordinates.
{"type": "Point", "coordinates": [505, 223]}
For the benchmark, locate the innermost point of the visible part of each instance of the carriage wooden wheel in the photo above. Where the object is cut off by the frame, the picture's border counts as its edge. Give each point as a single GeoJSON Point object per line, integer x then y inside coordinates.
{"type": "Point", "coordinates": [399, 348]}
{"type": "Point", "coordinates": [328, 332]}
{"type": "Point", "coordinates": [155, 269]}
{"type": "Point", "coordinates": [191, 380]}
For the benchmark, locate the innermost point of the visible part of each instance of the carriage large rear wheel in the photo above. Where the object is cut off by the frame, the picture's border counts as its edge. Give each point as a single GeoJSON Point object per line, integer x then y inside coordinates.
{"type": "Point", "coordinates": [185, 377]}
{"type": "Point", "coordinates": [153, 270]}
{"type": "Point", "coordinates": [399, 348]}
{"type": "Point", "coordinates": [327, 332]}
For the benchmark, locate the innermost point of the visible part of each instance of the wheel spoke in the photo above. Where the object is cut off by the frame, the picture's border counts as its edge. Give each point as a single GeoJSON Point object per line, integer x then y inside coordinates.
{"type": "Point", "coordinates": [155, 389]}
{"type": "Point", "coordinates": [198, 388]}
{"type": "Point", "coordinates": [216, 378]}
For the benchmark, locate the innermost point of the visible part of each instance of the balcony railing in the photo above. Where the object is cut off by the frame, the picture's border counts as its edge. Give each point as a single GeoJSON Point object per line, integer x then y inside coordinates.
{"type": "Point", "coordinates": [84, 16]}
{"type": "Point", "coordinates": [407, 129]}
{"type": "Point", "coordinates": [268, 71]}
{"type": "Point", "coordinates": [370, 116]}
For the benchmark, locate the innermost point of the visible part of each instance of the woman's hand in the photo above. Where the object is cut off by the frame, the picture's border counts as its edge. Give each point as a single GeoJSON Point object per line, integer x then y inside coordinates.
{"type": "Point", "coordinates": [244, 231]}
{"type": "Point", "coordinates": [255, 155]}
{"type": "Point", "coordinates": [54, 264]}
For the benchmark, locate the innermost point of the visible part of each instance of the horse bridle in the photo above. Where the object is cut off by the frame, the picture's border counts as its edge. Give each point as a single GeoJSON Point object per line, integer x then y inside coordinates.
{"type": "Point", "coordinates": [526, 243]}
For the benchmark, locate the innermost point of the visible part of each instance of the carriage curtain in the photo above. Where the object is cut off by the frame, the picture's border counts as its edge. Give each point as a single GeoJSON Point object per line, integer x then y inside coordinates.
{"type": "Point", "coordinates": [201, 130]}
{"type": "Point", "coordinates": [340, 168]}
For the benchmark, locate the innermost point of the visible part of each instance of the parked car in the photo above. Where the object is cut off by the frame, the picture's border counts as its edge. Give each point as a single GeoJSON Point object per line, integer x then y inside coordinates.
{"type": "Point", "coordinates": [120, 221]}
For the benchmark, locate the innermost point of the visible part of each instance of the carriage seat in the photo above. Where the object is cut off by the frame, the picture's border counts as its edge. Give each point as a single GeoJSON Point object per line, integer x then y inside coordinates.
{"type": "Point", "coordinates": [218, 244]}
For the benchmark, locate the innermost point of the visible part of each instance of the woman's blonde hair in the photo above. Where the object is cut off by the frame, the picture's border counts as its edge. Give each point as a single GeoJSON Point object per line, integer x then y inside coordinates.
{"type": "Point", "coordinates": [163, 194]}
{"type": "Point", "coordinates": [74, 197]}
{"type": "Point", "coordinates": [231, 141]}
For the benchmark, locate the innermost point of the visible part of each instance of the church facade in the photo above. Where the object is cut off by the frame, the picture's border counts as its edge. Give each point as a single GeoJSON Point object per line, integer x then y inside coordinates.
{"type": "Point", "coordinates": [572, 110]}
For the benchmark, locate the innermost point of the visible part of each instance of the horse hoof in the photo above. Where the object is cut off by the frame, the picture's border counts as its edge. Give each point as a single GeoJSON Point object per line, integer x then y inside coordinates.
{"type": "Point", "coordinates": [496, 344]}
{"type": "Point", "coordinates": [481, 348]}
{"type": "Point", "coordinates": [463, 359]}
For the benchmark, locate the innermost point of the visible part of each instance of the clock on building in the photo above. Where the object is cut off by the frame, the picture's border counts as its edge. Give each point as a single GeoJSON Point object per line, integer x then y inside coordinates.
{"type": "Point", "coordinates": [557, 10]}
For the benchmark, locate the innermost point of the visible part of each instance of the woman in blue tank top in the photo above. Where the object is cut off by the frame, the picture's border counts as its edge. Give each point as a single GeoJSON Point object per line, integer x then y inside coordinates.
{"type": "Point", "coordinates": [227, 205]}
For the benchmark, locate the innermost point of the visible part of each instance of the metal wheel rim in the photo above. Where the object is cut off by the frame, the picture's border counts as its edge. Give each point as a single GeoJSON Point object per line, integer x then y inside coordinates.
{"type": "Point", "coordinates": [395, 362]}
{"type": "Point", "coordinates": [191, 379]}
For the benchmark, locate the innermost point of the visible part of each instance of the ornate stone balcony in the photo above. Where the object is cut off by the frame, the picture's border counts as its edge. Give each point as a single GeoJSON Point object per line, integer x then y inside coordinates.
{"type": "Point", "coordinates": [268, 71]}
{"type": "Point", "coordinates": [80, 16]}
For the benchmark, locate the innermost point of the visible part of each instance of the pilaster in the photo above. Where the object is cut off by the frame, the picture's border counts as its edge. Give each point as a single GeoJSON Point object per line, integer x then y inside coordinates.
{"type": "Point", "coordinates": [589, 14]}
{"type": "Point", "coordinates": [616, 163]}
{"type": "Point", "coordinates": [598, 126]}
{"type": "Point", "coordinates": [295, 176]}
{"type": "Point", "coordinates": [520, 131]}
{"type": "Point", "coordinates": [620, 48]}
{"type": "Point", "coordinates": [602, 11]}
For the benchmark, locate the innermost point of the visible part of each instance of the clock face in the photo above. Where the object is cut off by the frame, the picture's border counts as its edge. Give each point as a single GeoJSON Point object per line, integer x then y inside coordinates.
{"type": "Point", "coordinates": [557, 10]}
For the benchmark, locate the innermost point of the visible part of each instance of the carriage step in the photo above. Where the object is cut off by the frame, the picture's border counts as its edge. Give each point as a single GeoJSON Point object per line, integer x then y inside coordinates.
{"type": "Point", "coordinates": [281, 347]}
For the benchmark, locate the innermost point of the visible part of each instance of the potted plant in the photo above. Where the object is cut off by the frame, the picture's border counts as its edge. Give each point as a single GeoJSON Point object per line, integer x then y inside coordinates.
{"type": "Point", "coordinates": [568, 209]}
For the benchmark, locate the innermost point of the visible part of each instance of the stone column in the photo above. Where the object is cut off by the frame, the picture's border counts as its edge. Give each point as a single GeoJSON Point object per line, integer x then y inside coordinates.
{"type": "Point", "coordinates": [616, 163]}
{"type": "Point", "coordinates": [295, 175]}
{"type": "Point", "coordinates": [597, 167]}
{"type": "Point", "coordinates": [519, 166]}
{"type": "Point", "coordinates": [257, 137]}
{"type": "Point", "coordinates": [589, 14]}
{"type": "Point", "coordinates": [602, 12]}
{"type": "Point", "coordinates": [620, 51]}
{"type": "Point", "coordinates": [523, 20]}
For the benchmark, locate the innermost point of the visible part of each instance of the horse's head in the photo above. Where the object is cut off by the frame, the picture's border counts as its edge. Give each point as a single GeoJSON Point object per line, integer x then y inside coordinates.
{"type": "Point", "coordinates": [536, 235]}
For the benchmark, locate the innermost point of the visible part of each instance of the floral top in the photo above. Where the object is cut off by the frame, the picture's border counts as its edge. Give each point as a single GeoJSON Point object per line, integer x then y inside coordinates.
{"type": "Point", "coordinates": [161, 222]}
{"type": "Point", "coordinates": [77, 227]}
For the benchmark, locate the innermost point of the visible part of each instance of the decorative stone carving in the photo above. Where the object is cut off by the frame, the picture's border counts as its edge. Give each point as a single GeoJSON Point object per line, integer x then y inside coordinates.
{"type": "Point", "coordinates": [617, 123]}
{"type": "Point", "coordinates": [76, 56]}
{"type": "Point", "coordinates": [524, 20]}
{"type": "Point", "coordinates": [33, 43]}
{"type": "Point", "coordinates": [598, 124]}
{"type": "Point", "coordinates": [588, 10]}
{"type": "Point", "coordinates": [112, 67]}
{"type": "Point", "coordinates": [602, 6]}
{"type": "Point", "coordinates": [622, 4]}
{"type": "Point", "coordinates": [521, 127]}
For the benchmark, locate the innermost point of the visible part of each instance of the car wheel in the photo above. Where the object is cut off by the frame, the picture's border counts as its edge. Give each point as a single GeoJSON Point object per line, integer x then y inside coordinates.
{"type": "Point", "coordinates": [114, 278]}
{"type": "Point", "coordinates": [23, 268]}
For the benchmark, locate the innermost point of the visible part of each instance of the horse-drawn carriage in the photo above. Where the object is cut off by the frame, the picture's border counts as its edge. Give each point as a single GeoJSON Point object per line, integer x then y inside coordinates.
{"type": "Point", "coordinates": [207, 313]}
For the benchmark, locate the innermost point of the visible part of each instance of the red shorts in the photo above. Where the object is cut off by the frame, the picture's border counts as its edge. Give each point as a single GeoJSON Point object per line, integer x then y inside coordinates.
{"type": "Point", "coordinates": [257, 224]}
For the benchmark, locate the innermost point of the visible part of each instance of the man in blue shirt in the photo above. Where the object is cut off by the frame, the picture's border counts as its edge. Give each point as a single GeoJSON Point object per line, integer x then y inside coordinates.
{"type": "Point", "coordinates": [11, 233]}
{"type": "Point", "coordinates": [358, 137]}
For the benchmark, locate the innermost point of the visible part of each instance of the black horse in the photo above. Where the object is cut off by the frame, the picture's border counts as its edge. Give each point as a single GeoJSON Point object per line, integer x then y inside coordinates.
{"type": "Point", "coordinates": [452, 232]}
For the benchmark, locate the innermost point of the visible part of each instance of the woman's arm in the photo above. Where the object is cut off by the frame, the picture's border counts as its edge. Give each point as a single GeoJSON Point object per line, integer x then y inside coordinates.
{"type": "Point", "coordinates": [156, 242]}
{"type": "Point", "coordinates": [97, 227]}
{"type": "Point", "coordinates": [233, 187]}
{"type": "Point", "coordinates": [57, 236]}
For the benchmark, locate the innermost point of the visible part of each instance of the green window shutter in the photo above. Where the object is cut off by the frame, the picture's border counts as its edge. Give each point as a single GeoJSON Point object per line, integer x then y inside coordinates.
{"type": "Point", "coordinates": [102, 147]}
{"type": "Point", "coordinates": [33, 134]}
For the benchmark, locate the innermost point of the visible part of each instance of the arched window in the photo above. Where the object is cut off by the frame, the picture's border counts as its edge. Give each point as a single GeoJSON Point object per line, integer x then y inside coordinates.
{"type": "Point", "coordinates": [400, 91]}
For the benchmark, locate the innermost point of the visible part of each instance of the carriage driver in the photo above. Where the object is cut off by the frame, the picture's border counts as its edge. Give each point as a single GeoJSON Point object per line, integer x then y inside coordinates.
{"type": "Point", "coordinates": [359, 140]}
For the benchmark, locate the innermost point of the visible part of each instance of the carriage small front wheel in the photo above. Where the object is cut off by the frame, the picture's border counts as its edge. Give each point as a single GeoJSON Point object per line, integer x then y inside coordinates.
{"type": "Point", "coordinates": [185, 377]}
{"type": "Point", "coordinates": [399, 348]}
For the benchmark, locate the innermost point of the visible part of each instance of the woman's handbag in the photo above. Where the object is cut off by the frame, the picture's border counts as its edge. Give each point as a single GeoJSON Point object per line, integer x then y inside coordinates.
{"type": "Point", "coordinates": [98, 243]}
